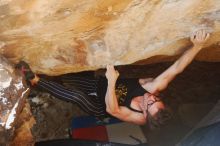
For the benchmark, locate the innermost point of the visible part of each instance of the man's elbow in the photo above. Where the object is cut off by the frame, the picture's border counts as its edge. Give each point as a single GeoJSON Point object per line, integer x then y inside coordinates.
{"type": "Point", "coordinates": [112, 111]}
{"type": "Point", "coordinates": [139, 122]}
{"type": "Point", "coordinates": [143, 123]}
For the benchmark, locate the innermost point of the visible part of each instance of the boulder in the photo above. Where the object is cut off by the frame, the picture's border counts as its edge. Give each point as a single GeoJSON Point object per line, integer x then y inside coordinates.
{"type": "Point", "coordinates": [13, 92]}
{"type": "Point", "coordinates": [57, 37]}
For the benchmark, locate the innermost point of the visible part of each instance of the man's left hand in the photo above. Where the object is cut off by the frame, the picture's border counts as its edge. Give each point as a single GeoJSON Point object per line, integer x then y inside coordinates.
{"type": "Point", "coordinates": [111, 74]}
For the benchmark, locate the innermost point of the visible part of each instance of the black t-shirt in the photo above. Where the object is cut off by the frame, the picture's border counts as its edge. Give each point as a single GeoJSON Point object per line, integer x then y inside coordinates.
{"type": "Point", "coordinates": [126, 90]}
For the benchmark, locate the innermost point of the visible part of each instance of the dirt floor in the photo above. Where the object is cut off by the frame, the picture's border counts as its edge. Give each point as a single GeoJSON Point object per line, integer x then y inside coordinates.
{"type": "Point", "coordinates": [190, 96]}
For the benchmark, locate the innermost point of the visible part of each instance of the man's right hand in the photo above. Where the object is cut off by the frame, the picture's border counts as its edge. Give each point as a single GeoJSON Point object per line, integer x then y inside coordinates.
{"type": "Point", "coordinates": [111, 74]}
{"type": "Point", "coordinates": [199, 38]}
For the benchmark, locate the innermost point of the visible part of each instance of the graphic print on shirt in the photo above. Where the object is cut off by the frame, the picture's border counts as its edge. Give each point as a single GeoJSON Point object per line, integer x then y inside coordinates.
{"type": "Point", "coordinates": [121, 93]}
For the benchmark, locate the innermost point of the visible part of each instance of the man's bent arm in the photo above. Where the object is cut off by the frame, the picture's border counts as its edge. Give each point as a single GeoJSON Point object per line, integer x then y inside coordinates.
{"type": "Point", "coordinates": [111, 99]}
{"type": "Point", "coordinates": [112, 106]}
{"type": "Point", "coordinates": [121, 112]}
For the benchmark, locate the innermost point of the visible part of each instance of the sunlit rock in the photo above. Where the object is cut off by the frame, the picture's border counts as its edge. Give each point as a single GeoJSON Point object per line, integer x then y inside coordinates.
{"type": "Point", "coordinates": [13, 92]}
{"type": "Point", "coordinates": [57, 37]}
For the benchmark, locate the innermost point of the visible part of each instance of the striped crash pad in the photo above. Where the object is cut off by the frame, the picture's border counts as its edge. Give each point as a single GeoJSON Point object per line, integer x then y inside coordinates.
{"type": "Point", "coordinates": [109, 130]}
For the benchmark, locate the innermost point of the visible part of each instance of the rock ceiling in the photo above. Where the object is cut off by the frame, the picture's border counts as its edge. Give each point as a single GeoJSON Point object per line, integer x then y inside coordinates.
{"type": "Point", "coordinates": [57, 37]}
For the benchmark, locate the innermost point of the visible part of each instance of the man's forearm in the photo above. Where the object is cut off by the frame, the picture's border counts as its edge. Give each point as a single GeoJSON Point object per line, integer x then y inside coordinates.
{"type": "Point", "coordinates": [198, 39]}
{"type": "Point", "coordinates": [186, 59]}
{"type": "Point", "coordinates": [111, 99]}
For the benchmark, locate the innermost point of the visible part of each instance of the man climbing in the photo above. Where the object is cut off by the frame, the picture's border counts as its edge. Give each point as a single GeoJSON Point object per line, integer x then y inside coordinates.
{"type": "Point", "coordinates": [131, 100]}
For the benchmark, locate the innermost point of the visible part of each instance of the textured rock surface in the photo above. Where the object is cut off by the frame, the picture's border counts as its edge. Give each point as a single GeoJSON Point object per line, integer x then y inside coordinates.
{"type": "Point", "coordinates": [13, 92]}
{"type": "Point", "coordinates": [23, 134]}
{"type": "Point", "coordinates": [57, 37]}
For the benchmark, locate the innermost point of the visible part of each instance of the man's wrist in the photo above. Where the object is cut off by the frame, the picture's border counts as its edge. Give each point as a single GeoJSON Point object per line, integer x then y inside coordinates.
{"type": "Point", "coordinates": [111, 83]}
{"type": "Point", "coordinates": [198, 46]}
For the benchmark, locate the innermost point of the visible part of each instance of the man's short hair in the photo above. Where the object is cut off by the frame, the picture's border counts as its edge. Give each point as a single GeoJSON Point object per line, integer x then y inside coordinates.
{"type": "Point", "coordinates": [159, 119]}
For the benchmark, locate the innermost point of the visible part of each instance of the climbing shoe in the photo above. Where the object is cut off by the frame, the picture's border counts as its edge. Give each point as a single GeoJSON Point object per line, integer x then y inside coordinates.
{"type": "Point", "coordinates": [26, 70]}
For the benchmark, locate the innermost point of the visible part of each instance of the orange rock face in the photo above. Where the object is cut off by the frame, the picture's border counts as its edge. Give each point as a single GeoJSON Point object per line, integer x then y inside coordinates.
{"type": "Point", "coordinates": [57, 37]}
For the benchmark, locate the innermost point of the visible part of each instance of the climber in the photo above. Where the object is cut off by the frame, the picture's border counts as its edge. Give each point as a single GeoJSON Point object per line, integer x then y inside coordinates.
{"type": "Point", "coordinates": [132, 100]}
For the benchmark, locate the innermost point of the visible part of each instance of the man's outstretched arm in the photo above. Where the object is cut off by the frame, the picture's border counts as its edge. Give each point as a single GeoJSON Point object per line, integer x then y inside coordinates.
{"type": "Point", "coordinates": [162, 81]}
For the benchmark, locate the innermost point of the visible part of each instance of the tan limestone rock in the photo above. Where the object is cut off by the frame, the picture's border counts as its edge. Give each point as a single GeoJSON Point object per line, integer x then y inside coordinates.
{"type": "Point", "coordinates": [57, 37]}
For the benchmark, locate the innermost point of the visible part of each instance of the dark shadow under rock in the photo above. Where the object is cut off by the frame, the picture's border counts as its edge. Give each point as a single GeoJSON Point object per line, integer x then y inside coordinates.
{"type": "Point", "coordinates": [53, 116]}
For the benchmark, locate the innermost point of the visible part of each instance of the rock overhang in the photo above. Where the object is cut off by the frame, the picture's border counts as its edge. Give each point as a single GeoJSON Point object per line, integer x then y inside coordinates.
{"type": "Point", "coordinates": [58, 37]}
